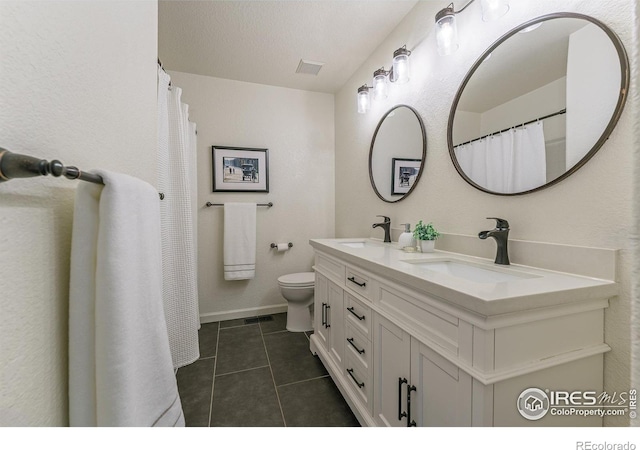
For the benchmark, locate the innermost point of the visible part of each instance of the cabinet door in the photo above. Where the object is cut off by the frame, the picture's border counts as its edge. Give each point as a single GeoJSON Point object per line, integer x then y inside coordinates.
{"type": "Point", "coordinates": [321, 300]}
{"type": "Point", "coordinates": [391, 362]}
{"type": "Point", "coordinates": [335, 322]}
{"type": "Point", "coordinates": [443, 392]}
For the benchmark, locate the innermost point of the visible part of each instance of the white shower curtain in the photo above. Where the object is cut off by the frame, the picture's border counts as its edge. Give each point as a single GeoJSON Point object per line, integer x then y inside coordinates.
{"type": "Point", "coordinates": [509, 162]}
{"type": "Point", "coordinates": [178, 212]}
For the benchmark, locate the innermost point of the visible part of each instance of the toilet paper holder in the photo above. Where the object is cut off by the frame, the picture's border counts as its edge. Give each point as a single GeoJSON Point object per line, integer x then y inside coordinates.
{"type": "Point", "coordinates": [276, 245]}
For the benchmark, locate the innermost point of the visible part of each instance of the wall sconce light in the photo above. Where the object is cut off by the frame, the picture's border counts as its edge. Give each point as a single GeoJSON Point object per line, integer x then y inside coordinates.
{"type": "Point", "coordinates": [363, 99]}
{"type": "Point", "coordinates": [447, 30]}
{"type": "Point", "coordinates": [380, 84]}
{"type": "Point", "coordinates": [400, 69]}
{"type": "Point", "coordinates": [399, 74]}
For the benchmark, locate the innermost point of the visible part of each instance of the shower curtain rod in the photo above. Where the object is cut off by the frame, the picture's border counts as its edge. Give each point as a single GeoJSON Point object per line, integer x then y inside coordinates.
{"type": "Point", "coordinates": [562, 111]}
{"type": "Point", "coordinates": [15, 165]}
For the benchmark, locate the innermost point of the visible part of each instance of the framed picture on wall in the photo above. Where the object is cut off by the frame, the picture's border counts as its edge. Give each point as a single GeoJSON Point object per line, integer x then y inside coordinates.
{"type": "Point", "coordinates": [240, 169]}
{"type": "Point", "coordinates": [403, 174]}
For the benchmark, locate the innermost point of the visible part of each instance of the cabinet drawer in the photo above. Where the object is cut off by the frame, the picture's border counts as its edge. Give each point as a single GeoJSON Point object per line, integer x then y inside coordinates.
{"type": "Point", "coordinates": [358, 315]}
{"type": "Point", "coordinates": [359, 382]}
{"type": "Point", "coordinates": [330, 267]}
{"type": "Point", "coordinates": [359, 282]}
{"type": "Point", "coordinates": [358, 346]}
{"type": "Point", "coordinates": [414, 309]}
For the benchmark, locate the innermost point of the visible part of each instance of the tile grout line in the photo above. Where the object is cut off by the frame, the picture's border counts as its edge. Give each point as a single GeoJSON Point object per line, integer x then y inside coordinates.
{"type": "Point", "coordinates": [242, 370]}
{"type": "Point", "coordinates": [213, 379]}
{"type": "Point", "coordinates": [304, 381]}
{"type": "Point", "coordinates": [275, 388]}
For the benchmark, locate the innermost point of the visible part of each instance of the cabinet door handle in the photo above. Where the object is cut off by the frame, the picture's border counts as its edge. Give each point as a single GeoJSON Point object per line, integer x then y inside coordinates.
{"type": "Point", "coordinates": [324, 314]}
{"type": "Point", "coordinates": [350, 341]}
{"type": "Point", "coordinates": [353, 280]}
{"type": "Point", "coordinates": [410, 423]}
{"type": "Point", "coordinates": [350, 372]}
{"type": "Point", "coordinates": [327, 324]}
{"type": "Point", "coordinates": [351, 309]}
{"type": "Point", "coordinates": [401, 414]}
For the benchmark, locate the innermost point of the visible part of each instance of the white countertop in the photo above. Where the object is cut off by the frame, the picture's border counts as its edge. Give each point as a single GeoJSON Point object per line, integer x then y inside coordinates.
{"type": "Point", "coordinates": [537, 289]}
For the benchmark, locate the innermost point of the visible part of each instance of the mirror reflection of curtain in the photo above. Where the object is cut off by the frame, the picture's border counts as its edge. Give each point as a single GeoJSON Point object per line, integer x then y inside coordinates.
{"type": "Point", "coordinates": [512, 161]}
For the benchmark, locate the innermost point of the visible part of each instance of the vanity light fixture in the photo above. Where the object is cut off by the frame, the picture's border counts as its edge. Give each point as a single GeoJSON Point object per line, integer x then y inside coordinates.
{"type": "Point", "coordinates": [380, 84]}
{"type": "Point", "coordinates": [447, 30]}
{"type": "Point", "coordinates": [363, 99]}
{"type": "Point", "coordinates": [399, 73]}
{"type": "Point", "coordinates": [400, 69]}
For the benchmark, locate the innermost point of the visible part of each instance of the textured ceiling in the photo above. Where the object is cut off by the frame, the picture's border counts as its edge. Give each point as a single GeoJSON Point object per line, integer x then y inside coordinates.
{"type": "Point", "coordinates": [263, 41]}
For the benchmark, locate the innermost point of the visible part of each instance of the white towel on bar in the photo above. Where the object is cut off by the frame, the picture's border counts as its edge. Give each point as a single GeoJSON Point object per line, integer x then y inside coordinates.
{"type": "Point", "coordinates": [120, 369]}
{"type": "Point", "coordinates": [239, 241]}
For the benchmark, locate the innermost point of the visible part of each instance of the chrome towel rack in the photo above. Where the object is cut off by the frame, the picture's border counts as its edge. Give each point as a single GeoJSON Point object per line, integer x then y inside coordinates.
{"type": "Point", "coordinates": [15, 165]}
{"type": "Point", "coordinates": [209, 204]}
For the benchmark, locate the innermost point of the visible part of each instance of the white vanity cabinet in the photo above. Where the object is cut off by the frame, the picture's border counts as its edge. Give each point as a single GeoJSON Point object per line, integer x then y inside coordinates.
{"type": "Point", "coordinates": [410, 348]}
{"type": "Point", "coordinates": [329, 317]}
{"type": "Point", "coordinates": [414, 386]}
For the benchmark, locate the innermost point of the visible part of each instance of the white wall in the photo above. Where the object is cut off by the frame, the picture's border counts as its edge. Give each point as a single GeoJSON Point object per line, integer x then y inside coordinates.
{"type": "Point", "coordinates": [298, 129]}
{"type": "Point", "coordinates": [79, 85]}
{"type": "Point", "coordinates": [591, 208]}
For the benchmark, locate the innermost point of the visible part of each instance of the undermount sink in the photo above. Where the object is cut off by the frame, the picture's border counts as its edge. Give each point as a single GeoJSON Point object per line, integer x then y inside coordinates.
{"type": "Point", "coordinates": [357, 244]}
{"type": "Point", "coordinates": [469, 271]}
{"type": "Point", "coordinates": [354, 244]}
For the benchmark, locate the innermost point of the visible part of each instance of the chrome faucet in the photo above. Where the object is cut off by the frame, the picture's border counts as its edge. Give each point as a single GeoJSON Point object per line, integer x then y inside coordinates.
{"type": "Point", "coordinates": [501, 235]}
{"type": "Point", "coordinates": [386, 226]}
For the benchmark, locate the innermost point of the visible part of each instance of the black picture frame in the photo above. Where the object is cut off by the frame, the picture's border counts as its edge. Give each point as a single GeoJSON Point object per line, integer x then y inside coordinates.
{"type": "Point", "coordinates": [404, 173]}
{"type": "Point", "coordinates": [240, 169]}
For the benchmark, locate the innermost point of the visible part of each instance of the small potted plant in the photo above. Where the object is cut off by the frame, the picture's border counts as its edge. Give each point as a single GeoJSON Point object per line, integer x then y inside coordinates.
{"type": "Point", "coordinates": [426, 236]}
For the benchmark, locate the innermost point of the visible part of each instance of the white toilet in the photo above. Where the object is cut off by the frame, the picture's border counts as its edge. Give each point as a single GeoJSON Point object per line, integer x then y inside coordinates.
{"type": "Point", "coordinates": [297, 288]}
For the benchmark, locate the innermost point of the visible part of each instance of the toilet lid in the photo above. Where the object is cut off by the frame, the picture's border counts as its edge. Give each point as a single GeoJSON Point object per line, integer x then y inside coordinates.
{"type": "Point", "coordinates": [298, 279]}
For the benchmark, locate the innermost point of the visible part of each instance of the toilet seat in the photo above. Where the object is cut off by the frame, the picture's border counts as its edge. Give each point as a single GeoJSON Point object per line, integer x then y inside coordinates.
{"type": "Point", "coordinates": [298, 280]}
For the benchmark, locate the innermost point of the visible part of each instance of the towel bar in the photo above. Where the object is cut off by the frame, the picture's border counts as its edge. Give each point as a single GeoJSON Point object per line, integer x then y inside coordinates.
{"type": "Point", "coordinates": [15, 165]}
{"type": "Point", "coordinates": [209, 204]}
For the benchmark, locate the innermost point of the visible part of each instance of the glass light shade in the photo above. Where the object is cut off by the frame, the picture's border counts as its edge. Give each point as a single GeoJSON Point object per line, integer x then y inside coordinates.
{"type": "Point", "coordinates": [401, 66]}
{"type": "Point", "coordinates": [363, 99]}
{"type": "Point", "coordinates": [494, 9]}
{"type": "Point", "coordinates": [380, 84]}
{"type": "Point", "coordinates": [447, 34]}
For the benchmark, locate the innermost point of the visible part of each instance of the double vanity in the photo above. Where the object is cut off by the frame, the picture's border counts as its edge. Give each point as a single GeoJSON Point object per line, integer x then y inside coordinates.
{"type": "Point", "coordinates": [445, 339]}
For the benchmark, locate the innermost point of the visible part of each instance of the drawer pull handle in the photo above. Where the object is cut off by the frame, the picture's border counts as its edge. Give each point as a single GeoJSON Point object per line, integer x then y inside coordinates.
{"type": "Point", "coordinates": [352, 311]}
{"type": "Point", "coordinates": [350, 341]}
{"type": "Point", "coordinates": [350, 372]}
{"type": "Point", "coordinates": [353, 280]}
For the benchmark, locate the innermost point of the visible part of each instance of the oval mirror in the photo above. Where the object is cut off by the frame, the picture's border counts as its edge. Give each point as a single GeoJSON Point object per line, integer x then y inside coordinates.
{"type": "Point", "coordinates": [397, 155]}
{"type": "Point", "coordinates": [538, 104]}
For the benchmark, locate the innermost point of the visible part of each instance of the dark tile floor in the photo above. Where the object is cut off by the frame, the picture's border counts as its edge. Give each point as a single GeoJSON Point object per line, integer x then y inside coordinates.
{"type": "Point", "coordinates": [259, 375]}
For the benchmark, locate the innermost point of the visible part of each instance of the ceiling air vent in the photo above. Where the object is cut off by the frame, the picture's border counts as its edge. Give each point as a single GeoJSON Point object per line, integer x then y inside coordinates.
{"type": "Point", "coordinates": [309, 67]}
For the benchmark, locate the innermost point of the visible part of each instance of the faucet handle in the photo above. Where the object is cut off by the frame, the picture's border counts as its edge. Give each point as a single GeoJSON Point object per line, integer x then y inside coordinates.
{"type": "Point", "coordinates": [386, 219]}
{"type": "Point", "coordinates": [501, 224]}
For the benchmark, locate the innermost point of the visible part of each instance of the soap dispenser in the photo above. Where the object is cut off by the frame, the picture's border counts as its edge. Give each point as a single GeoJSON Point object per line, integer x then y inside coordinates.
{"type": "Point", "coordinates": [406, 239]}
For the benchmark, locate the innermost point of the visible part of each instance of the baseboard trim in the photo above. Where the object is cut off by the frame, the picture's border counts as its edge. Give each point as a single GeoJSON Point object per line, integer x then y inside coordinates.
{"type": "Point", "coordinates": [242, 313]}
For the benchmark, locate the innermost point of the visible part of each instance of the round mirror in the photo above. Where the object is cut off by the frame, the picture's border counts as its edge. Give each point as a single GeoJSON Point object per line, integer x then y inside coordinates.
{"type": "Point", "coordinates": [398, 151]}
{"type": "Point", "coordinates": [538, 104]}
